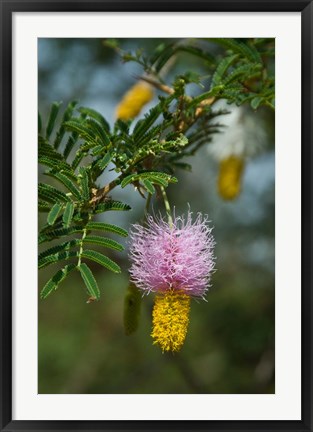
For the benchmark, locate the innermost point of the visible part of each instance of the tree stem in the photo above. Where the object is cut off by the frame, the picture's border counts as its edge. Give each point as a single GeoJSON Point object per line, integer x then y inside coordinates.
{"type": "Point", "coordinates": [167, 207]}
{"type": "Point", "coordinates": [101, 193]}
{"type": "Point", "coordinates": [148, 201]}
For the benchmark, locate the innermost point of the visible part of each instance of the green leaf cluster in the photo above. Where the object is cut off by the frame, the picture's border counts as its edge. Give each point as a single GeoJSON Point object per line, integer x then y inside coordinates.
{"type": "Point", "coordinates": [77, 146]}
{"type": "Point", "coordinates": [66, 199]}
{"type": "Point", "coordinates": [241, 71]}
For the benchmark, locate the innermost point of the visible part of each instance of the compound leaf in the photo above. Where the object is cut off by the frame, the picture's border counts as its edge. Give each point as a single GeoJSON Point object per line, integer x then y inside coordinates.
{"type": "Point", "coordinates": [57, 233]}
{"type": "Point", "coordinates": [68, 214]}
{"type": "Point", "coordinates": [59, 256]}
{"type": "Point", "coordinates": [101, 259]}
{"type": "Point", "coordinates": [111, 205]}
{"type": "Point", "coordinates": [58, 248]}
{"type": "Point", "coordinates": [53, 213]}
{"type": "Point", "coordinates": [221, 70]}
{"type": "Point", "coordinates": [84, 184]}
{"type": "Point", "coordinates": [100, 226]}
{"type": "Point", "coordinates": [103, 241]}
{"type": "Point", "coordinates": [52, 117]}
{"type": "Point", "coordinates": [51, 194]}
{"type": "Point", "coordinates": [95, 115]}
{"type": "Point", "coordinates": [149, 186]}
{"type": "Point", "coordinates": [54, 282]}
{"type": "Point", "coordinates": [90, 281]}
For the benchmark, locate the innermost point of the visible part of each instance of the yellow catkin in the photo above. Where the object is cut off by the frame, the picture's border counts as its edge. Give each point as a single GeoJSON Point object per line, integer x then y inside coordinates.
{"type": "Point", "coordinates": [170, 320]}
{"type": "Point", "coordinates": [134, 100]}
{"type": "Point", "coordinates": [229, 180]}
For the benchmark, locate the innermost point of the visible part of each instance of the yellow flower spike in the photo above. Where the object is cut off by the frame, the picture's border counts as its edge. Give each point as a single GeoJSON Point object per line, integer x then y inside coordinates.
{"type": "Point", "coordinates": [134, 100]}
{"type": "Point", "coordinates": [170, 320]}
{"type": "Point", "coordinates": [229, 180]}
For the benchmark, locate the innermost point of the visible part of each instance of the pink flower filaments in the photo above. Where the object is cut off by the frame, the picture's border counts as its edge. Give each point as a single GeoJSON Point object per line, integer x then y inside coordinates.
{"type": "Point", "coordinates": [174, 260]}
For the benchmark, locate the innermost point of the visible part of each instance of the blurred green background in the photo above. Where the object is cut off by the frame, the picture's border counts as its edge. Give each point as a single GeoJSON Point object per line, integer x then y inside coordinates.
{"type": "Point", "coordinates": [230, 347]}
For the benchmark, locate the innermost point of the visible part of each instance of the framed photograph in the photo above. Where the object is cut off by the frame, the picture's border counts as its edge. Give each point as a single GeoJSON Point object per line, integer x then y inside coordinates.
{"type": "Point", "coordinates": [156, 215]}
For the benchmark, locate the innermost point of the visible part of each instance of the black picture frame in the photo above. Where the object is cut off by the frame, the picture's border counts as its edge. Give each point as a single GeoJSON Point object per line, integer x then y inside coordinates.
{"type": "Point", "coordinates": [7, 9]}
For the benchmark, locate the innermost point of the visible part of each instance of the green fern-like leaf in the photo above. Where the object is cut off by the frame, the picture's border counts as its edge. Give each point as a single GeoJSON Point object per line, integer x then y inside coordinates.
{"type": "Point", "coordinates": [104, 162]}
{"type": "Point", "coordinates": [256, 102]}
{"type": "Point", "coordinates": [78, 158]}
{"type": "Point", "coordinates": [247, 51]}
{"type": "Point", "coordinates": [76, 125]}
{"type": "Point", "coordinates": [103, 241]}
{"type": "Point", "coordinates": [55, 107]}
{"type": "Point", "coordinates": [58, 248]}
{"type": "Point", "coordinates": [51, 194]}
{"type": "Point", "coordinates": [221, 69]}
{"type": "Point", "coordinates": [142, 126]}
{"type": "Point", "coordinates": [100, 226]}
{"type": "Point", "coordinates": [45, 149]}
{"type": "Point", "coordinates": [198, 52]}
{"type": "Point", "coordinates": [84, 183]}
{"type": "Point", "coordinates": [43, 206]}
{"type": "Point", "coordinates": [66, 116]}
{"type": "Point", "coordinates": [90, 281]}
{"type": "Point", "coordinates": [53, 163]}
{"type": "Point", "coordinates": [122, 126]}
{"type": "Point", "coordinates": [68, 214]}
{"type": "Point", "coordinates": [57, 233]}
{"type": "Point", "coordinates": [245, 71]}
{"type": "Point", "coordinates": [99, 131]}
{"type": "Point", "coordinates": [101, 259]}
{"type": "Point", "coordinates": [97, 150]}
{"type": "Point", "coordinates": [59, 256]}
{"type": "Point", "coordinates": [55, 281]}
{"type": "Point", "coordinates": [72, 140]}
{"type": "Point", "coordinates": [162, 55]}
{"type": "Point", "coordinates": [160, 181]}
{"type": "Point", "coordinates": [153, 133]}
{"type": "Point", "coordinates": [149, 186]}
{"type": "Point", "coordinates": [111, 206]}
{"type": "Point", "coordinates": [67, 180]}
{"type": "Point", "coordinates": [153, 176]}
{"type": "Point", "coordinates": [97, 116]}
{"type": "Point", "coordinates": [53, 213]}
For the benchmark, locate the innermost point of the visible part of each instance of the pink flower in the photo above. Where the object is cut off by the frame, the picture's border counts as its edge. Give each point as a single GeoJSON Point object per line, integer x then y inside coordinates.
{"type": "Point", "coordinates": [177, 257]}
